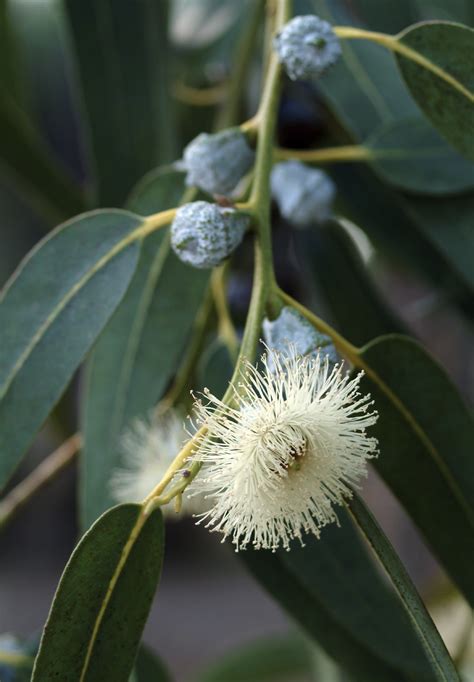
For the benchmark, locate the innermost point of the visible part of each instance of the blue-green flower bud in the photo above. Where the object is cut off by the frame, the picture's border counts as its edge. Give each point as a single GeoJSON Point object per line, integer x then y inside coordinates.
{"type": "Point", "coordinates": [304, 195]}
{"type": "Point", "coordinates": [291, 333]}
{"type": "Point", "coordinates": [306, 46]}
{"type": "Point", "coordinates": [216, 163]}
{"type": "Point", "coordinates": [204, 235]}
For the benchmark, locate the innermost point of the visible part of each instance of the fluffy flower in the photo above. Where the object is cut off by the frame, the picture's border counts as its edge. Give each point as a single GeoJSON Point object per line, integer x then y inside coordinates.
{"type": "Point", "coordinates": [278, 464]}
{"type": "Point", "coordinates": [307, 46]}
{"type": "Point", "coordinates": [148, 447]}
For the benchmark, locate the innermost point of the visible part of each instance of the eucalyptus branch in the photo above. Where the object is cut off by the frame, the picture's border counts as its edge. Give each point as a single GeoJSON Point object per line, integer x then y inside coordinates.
{"type": "Point", "coordinates": [264, 278]}
{"type": "Point", "coordinates": [395, 45]}
{"type": "Point", "coordinates": [45, 472]}
{"type": "Point", "coordinates": [225, 325]}
{"type": "Point", "coordinates": [200, 97]}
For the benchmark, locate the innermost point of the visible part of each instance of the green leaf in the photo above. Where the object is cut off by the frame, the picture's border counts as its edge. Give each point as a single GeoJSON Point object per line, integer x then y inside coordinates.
{"type": "Point", "coordinates": [333, 590]}
{"type": "Point", "coordinates": [412, 156]}
{"type": "Point", "coordinates": [425, 434]}
{"type": "Point", "coordinates": [149, 668]}
{"type": "Point", "coordinates": [365, 93]}
{"type": "Point", "coordinates": [27, 161]}
{"type": "Point", "coordinates": [448, 105]}
{"type": "Point", "coordinates": [103, 599]}
{"type": "Point", "coordinates": [140, 348]}
{"type": "Point", "coordinates": [273, 659]}
{"type": "Point", "coordinates": [359, 309]}
{"type": "Point", "coordinates": [442, 666]}
{"type": "Point", "coordinates": [122, 56]}
{"type": "Point", "coordinates": [51, 312]}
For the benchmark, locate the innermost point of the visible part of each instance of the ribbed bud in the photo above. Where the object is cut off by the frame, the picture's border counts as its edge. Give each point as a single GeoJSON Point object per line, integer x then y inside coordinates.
{"type": "Point", "coordinates": [291, 334]}
{"type": "Point", "coordinates": [304, 195]}
{"type": "Point", "coordinates": [216, 163]}
{"type": "Point", "coordinates": [204, 234]}
{"type": "Point", "coordinates": [307, 46]}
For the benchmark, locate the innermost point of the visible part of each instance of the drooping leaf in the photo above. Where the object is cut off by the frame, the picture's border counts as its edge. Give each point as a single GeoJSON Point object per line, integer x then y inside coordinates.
{"type": "Point", "coordinates": [332, 589]}
{"type": "Point", "coordinates": [266, 660]}
{"type": "Point", "coordinates": [358, 307]}
{"type": "Point", "coordinates": [449, 105]}
{"type": "Point", "coordinates": [98, 614]}
{"type": "Point", "coordinates": [122, 61]}
{"type": "Point", "coordinates": [442, 666]}
{"type": "Point", "coordinates": [426, 434]}
{"type": "Point", "coordinates": [412, 156]}
{"type": "Point", "coordinates": [140, 348]}
{"type": "Point", "coordinates": [51, 312]}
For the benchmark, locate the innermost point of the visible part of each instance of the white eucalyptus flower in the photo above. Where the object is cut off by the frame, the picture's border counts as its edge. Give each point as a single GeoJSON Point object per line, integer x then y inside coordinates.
{"type": "Point", "coordinates": [278, 464]}
{"type": "Point", "coordinates": [148, 447]}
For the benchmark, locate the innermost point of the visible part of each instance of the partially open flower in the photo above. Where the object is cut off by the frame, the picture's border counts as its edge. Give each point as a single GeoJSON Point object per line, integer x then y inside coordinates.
{"type": "Point", "coordinates": [304, 195]}
{"type": "Point", "coordinates": [278, 464]}
{"type": "Point", "coordinates": [307, 46]}
{"type": "Point", "coordinates": [290, 333]}
{"type": "Point", "coordinates": [147, 449]}
{"type": "Point", "coordinates": [216, 163]}
{"type": "Point", "coordinates": [204, 234]}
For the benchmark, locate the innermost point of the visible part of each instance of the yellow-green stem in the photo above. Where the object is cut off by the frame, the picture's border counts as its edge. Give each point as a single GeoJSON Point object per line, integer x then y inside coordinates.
{"type": "Point", "coordinates": [394, 44]}
{"type": "Point", "coordinates": [345, 153]}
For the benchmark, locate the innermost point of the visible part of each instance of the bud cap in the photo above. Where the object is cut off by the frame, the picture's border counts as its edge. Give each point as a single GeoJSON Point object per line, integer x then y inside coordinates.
{"type": "Point", "coordinates": [304, 195]}
{"type": "Point", "coordinates": [204, 235]}
{"type": "Point", "coordinates": [306, 46]}
{"type": "Point", "coordinates": [291, 334]}
{"type": "Point", "coordinates": [216, 163]}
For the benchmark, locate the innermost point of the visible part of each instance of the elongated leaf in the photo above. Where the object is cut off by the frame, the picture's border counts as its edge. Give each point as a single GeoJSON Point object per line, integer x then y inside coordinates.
{"type": "Point", "coordinates": [139, 350]}
{"type": "Point", "coordinates": [122, 52]}
{"type": "Point", "coordinates": [266, 660]}
{"type": "Point", "coordinates": [411, 155]}
{"type": "Point", "coordinates": [426, 435]}
{"type": "Point", "coordinates": [44, 46]}
{"type": "Point", "coordinates": [448, 105]}
{"type": "Point", "coordinates": [51, 313]}
{"type": "Point", "coordinates": [98, 614]}
{"type": "Point", "coordinates": [28, 162]}
{"type": "Point", "coordinates": [332, 589]}
{"type": "Point", "coordinates": [359, 310]}
{"type": "Point", "coordinates": [442, 666]}
{"type": "Point", "coordinates": [365, 93]}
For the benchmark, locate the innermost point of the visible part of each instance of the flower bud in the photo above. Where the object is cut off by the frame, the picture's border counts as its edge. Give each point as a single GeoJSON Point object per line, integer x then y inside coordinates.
{"type": "Point", "coordinates": [291, 334]}
{"type": "Point", "coordinates": [306, 46]}
{"type": "Point", "coordinates": [216, 163]}
{"type": "Point", "coordinates": [304, 195]}
{"type": "Point", "coordinates": [204, 234]}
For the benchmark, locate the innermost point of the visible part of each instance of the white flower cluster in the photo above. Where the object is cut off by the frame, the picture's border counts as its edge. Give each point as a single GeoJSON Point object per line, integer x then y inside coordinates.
{"type": "Point", "coordinates": [304, 195]}
{"type": "Point", "coordinates": [277, 464]}
{"type": "Point", "coordinates": [307, 46]}
{"type": "Point", "coordinates": [147, 449]}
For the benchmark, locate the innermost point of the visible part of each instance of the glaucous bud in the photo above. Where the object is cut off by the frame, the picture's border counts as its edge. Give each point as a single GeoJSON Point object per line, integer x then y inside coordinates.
{"type": "Point", "coordinates": [306, 46]}
{"type": "Point", "coordinates": [291, 333]}
{"type": "Point", "coordinates": [204, 235]}
{"type": "Point", "coordinates": [216, 163]}
{"type": "Point", "coordinates": [304, 195]}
